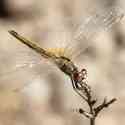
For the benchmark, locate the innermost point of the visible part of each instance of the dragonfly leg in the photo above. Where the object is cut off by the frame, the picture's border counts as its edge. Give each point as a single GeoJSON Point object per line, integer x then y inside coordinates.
{"type": "Point", "coordinates": [75, 88]}
{"type": "Point", "coordinates": [82, 82]}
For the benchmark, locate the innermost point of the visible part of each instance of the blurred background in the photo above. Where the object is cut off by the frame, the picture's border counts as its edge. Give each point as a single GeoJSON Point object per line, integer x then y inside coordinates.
{"type": "Point", "coordinates": [34, 91]}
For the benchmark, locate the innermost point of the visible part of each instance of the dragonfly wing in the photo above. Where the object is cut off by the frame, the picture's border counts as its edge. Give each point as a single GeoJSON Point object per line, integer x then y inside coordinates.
{"type": "Point", "coordinates": [101, 20]}
{"type": "Point", "coordinates": [87, 28]}
{"type": "Point", "coordinates": [19, 68]}
{"type": "Point", "coordinates": [10, 62]}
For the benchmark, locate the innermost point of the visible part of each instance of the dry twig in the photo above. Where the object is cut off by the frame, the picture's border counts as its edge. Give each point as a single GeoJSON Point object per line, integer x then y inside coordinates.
{"type": "Point", "coordinates": [85, 92]}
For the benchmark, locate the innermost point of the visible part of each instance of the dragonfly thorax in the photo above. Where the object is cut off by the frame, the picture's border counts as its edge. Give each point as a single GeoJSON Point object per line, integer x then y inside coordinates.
{"type": "Point", "coordinates": [65, 65]}
{"type": "Point", "coordinates": [68, 67]}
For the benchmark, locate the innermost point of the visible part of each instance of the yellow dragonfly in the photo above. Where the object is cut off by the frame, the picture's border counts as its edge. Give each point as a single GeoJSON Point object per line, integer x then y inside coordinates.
{"type": "Point", "coordinates": [85, 30]}
{"type": "Point", "coordinates": [64, 63]}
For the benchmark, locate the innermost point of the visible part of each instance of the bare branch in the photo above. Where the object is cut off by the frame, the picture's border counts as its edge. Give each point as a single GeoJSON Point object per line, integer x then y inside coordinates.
{"type": "Point", "coordinates": [105, 104]}
{"type": "Point", "coordinates": [85, 92]}
{"type": "Point", "coordinates": [85, 113]}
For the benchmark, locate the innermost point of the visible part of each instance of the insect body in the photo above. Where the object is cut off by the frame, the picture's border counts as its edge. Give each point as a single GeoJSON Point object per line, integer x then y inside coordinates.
{"type": "Point", "coordinates": [62, 62]}
{"type": "Point", "coordinates": [85, 31]}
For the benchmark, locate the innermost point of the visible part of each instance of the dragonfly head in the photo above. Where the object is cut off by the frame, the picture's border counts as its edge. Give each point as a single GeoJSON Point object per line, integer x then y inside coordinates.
{"type": "Point", "coordinates": [65, 65]}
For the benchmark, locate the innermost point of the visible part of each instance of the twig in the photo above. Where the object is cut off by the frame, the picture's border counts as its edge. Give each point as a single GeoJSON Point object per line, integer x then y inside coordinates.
{"type": "Point", "coordinates": [86, 93]}
{"type": "Point", "coordinates": [105, 104]}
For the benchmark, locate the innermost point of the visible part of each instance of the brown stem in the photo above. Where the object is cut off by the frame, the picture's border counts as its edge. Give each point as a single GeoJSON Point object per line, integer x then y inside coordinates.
{"type": "Point", "coordinates": [92, 121]}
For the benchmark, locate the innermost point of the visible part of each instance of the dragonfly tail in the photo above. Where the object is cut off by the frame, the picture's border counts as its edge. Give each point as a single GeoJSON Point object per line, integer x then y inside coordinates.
{"type": "Point", "coordinates": [31, 45]}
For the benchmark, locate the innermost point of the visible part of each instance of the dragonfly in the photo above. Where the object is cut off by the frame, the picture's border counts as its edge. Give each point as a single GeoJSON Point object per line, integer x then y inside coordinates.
{"type": "Point", "coordinates": [65, 64]}
{"type": "Point", "coordinates": [85, 31]}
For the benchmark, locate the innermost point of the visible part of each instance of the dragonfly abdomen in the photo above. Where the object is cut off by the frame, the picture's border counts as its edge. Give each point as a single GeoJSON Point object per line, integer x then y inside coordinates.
{"type": "Point", "coordinates": [32, 45]}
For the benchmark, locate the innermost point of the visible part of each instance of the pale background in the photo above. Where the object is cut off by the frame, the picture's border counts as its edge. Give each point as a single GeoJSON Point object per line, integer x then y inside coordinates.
{"type": "Point", "coordinates": [48, 97]}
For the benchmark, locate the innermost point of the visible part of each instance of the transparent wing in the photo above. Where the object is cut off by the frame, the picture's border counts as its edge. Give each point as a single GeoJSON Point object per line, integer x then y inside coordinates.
{"type": "Point", "coordinates": [87, 28]}
{"type": "Point", "coordinates": [20, 68]}
{"type": "Point", "coordinates": [13, 61]}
